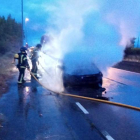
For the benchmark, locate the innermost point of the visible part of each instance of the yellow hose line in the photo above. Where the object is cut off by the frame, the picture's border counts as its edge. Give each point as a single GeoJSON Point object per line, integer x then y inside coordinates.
{"type": "Point", "coordinates": [92, 99]}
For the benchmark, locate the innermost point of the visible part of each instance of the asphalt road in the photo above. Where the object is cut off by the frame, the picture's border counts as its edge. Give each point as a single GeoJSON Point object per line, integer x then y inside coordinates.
{"type": "Point", "coordinates": [123, 86]}
{"type": "Point", "coordinates": [34, 113]}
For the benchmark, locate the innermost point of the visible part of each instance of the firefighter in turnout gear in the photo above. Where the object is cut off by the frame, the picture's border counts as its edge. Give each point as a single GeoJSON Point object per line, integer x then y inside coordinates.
{"type": "Point", "coordinates": [22, 64]}
{"type": "Point", "coordinates": [34, 56]}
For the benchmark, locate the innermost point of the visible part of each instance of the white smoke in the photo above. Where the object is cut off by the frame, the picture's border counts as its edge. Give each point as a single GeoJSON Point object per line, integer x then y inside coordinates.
{"type": "Point", "coordinates": [124, 15]}
{"type": "Point", "coordinates": [100, 29]}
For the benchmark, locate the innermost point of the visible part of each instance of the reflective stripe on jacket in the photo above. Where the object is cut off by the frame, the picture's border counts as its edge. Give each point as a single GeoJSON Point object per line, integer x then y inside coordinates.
{"type": "Point", "coordinates": [22, 60]}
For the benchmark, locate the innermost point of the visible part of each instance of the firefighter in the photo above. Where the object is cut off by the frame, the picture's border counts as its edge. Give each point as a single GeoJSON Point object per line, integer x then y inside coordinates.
{"type": "Point", "coordinates": [22, 64]}
{"type": "Point", "coordinates": [34, 56]}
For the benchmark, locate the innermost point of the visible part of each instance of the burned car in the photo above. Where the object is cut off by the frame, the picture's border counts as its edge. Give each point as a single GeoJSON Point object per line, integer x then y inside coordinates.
{"type": "Point", "coordinates": [81, 72]}
{"type": "Point", "coordinates": [82, 76]}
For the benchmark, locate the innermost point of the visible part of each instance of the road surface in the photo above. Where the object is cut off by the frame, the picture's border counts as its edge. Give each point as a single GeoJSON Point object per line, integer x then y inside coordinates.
{"type": "Point", "coordinates": [34, 113]}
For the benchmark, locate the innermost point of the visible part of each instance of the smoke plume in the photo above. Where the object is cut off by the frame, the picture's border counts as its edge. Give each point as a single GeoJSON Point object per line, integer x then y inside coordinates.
{"type": "Point", "coordinates": [92, 31]}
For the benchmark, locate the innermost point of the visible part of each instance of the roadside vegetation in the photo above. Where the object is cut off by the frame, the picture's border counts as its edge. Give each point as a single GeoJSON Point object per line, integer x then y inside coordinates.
{"type": "Point", "coordinates": [131, 61]}
{"type": "Point", "coordinates": [10, 35]}
{"type": "Point", "coordinates": [10, 42]}
{"type": "Point", "coordinates": [132, 53]}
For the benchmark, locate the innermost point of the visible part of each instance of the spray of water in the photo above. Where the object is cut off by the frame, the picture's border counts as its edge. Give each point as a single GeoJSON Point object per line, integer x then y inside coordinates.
{"type": "Point", "coordinates": [92, 31]}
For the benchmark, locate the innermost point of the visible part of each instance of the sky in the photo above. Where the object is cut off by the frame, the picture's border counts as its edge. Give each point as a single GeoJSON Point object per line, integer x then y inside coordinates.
{"type": "Point", "coordinates": [43, 14]}
{"type": "Point", "coordinates": [99, 24]}
{"type": "Point", "coordinates": [97, 30]}
{"type": "Point", "coordinates": [34, 10]}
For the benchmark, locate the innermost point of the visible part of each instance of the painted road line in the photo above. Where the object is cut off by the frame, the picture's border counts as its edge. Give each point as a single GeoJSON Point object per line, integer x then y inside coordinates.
{"type": "Point", "coordinates": [108, 137]}
{"type": "Point", "coordinates": [82, 108]}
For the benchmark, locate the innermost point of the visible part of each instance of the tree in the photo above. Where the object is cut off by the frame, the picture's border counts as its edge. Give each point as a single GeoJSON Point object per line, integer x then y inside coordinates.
{"type": "Point", "coordinates": [131, 43]}
{"type": "Point", "coordinates": [10, 35]}
{"type": "Point", "coordinates": [130, 48]}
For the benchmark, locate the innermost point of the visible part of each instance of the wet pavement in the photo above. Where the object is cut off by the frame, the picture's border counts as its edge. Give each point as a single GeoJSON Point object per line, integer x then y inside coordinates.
{"type": "Point", "coordinates": [123, 87]}
{"type": "Point", "coordinates": [31, 112]}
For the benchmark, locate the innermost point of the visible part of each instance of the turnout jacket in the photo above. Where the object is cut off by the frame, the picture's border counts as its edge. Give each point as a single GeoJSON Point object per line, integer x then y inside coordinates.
{"type": "Point", "coordinates": [34, 54]}
{"type": "Point", "coordinates": [22, 60]}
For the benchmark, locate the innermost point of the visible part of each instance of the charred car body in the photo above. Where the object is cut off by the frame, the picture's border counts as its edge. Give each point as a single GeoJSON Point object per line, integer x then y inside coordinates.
{"type": "Point", "coordinates": [79, 72]}
{"type": "Point", "coordinates": [92, 78]}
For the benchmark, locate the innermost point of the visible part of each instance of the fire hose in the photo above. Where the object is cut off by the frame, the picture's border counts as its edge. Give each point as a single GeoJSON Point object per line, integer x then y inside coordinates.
{"type": "Point", "coordinates": [88, 98]}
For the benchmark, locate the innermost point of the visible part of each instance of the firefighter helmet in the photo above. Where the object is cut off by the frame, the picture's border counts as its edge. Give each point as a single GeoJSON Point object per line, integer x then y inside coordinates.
{"type": "Point", "coordinates": [39, 46]}
{"type": "Point", "coordinates": [23, 49]}
{"type": "Point", "coordinates": [16, 56]}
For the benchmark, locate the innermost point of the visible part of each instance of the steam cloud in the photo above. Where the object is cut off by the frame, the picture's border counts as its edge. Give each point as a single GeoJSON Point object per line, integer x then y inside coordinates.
{"type": "Point", "coordinates": [98, 30]}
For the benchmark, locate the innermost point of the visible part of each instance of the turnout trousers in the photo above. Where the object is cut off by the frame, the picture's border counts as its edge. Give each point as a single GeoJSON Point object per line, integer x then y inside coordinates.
{"type": "Point", "coordinates": [34, 67]}
{"type": "Point", "coordinates": [21, 75]}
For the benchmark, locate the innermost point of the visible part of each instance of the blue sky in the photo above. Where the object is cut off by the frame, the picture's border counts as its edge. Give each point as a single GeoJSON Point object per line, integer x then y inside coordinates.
{"type": "Point", "coordinates": [34, 10]}
{"type": "Point", "coordinates": [99, 26]}
{"type": "Point", "coordinates": [41, 11]}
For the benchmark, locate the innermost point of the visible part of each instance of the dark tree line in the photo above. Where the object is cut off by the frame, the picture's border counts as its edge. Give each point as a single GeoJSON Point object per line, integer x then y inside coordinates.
{"type": "Point", "coordinates": [131, 49]}
{"type": "Point", "coordinates": [10, 35]}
